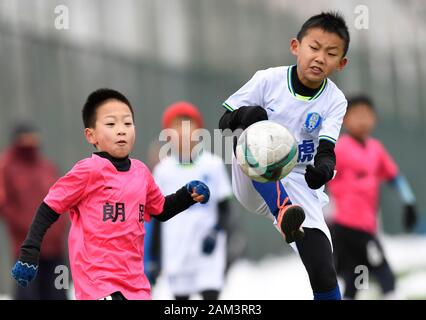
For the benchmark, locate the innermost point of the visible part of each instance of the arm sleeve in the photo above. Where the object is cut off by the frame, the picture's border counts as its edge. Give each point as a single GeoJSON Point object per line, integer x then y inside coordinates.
{"type": "Point", "coordinates": [242, 117]}
{"type": "Point", "coordinates": [226, 121]}
{"type": "Point", "coordinates": [326, 158]}
{"type": "Point", "coordinates": [175, 203]}
{"type": "Point", "coordinates": [388, 169]}
{"type": "Point", "coordinates": [164, 208]}
{"type": "Point", "coordinates": [43, 219]}
{"type": "Point", "coordinates": [69, 189]}
{"type": "Point", "coordinates": [404, 189]}
{"type": "Point", "coordinates": [250, 94]}
{"type": "Point", "coordinates": [332, 123]}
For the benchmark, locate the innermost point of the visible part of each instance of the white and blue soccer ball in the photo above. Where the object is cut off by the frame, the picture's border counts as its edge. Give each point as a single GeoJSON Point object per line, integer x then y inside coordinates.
{"type": "Point", "coordinates": [266, 151]}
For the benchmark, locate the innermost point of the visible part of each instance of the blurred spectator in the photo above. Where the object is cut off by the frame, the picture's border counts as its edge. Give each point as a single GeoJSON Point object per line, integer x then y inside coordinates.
{"type": "Point", "coordinates": [25, 178]}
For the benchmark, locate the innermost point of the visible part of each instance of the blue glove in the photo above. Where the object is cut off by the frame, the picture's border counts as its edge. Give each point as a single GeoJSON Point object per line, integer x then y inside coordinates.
{"type": "Point", "coordinates": [209, 242]}
{"type": "Point", "coordinates": [200, 189]}
{"type": "Point", "coordinates": [24, 273]}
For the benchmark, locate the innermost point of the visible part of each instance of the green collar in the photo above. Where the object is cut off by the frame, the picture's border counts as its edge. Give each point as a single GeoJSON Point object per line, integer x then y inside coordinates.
{"type": "Point", "coordinates": [298, 96]}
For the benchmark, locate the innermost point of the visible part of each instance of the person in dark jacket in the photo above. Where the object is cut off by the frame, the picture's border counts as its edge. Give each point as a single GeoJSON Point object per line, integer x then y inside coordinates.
{"type": "Point", "coordinates": [25, 178]}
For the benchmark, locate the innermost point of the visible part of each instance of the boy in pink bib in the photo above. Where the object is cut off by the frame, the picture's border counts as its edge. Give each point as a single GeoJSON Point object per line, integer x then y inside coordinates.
{"type": "Point", "coordinates": [362, 165]}
{"type": "Point", "coordinates": [109, 197]}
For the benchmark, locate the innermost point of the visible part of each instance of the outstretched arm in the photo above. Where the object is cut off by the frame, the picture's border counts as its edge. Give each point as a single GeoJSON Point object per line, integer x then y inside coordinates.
{"type": "Point", "coordinates": [191, 193]}
{"type": "Point", "coordinates": [242, 117]}
{"type": "Point", "coordinates": [401, 184]}
{"type": "Point", "coordinates": [325, 162]}
{"type": "Point", "coordinates": [25, 269]}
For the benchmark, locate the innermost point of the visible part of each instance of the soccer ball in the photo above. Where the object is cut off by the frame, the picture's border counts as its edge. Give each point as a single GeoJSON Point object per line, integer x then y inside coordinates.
{"type": "Point", "coordinates": [266, 151]}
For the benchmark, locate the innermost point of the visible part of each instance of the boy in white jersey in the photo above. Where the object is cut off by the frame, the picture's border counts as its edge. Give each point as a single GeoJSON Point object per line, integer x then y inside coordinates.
{"type": "Point", "coordinates": [193, 246]}
{"type": "Point", "coordinates": [301, 98]}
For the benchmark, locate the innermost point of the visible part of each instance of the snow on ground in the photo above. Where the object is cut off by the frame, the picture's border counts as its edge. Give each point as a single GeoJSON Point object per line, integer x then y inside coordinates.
{"type": "Point", "coordinates": [284, 277]}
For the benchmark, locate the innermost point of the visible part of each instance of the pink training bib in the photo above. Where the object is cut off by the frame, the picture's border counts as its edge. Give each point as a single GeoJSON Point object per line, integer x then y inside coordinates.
{"type": "Point", "coordinates": [356, 187]}
{"type": "Point", "coordinates": [107, 209]}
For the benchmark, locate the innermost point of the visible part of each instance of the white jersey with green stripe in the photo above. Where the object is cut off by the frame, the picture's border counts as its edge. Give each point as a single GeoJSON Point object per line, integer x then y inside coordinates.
{"type": "Point", "coordinates": [310, 119]}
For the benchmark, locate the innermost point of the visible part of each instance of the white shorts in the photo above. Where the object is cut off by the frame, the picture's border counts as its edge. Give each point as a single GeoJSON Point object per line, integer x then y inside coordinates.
{"type": "Point", "coordinates": [261, 198]}
{"type": "Point", "coordinates": [208, 272]}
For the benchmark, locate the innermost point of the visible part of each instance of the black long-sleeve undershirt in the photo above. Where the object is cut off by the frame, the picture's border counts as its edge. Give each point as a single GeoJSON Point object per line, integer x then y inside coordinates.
{"type": "Point", "coordinates": [174, 204]}
{"type": "Point", "coordinates": [326, 157]}
{"type": "Point", "coordinates": [227, 121]}
{"type": "Point", "coordinates": [43, 219]}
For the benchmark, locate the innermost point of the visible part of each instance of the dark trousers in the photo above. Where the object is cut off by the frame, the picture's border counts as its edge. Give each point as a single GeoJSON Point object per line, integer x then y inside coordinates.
{"type": "Point", "coordinates": [43, 286]}
{"type": "Point", "coordinates": [354, 248]}
{"type": "Point", "coordinates": [317, 257]}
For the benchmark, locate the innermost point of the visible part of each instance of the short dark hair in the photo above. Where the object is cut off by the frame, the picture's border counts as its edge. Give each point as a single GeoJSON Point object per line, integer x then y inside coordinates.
{"type": "Point", "coordinates": [360, 99]}
{"type": "Point", "coordinates": [96, 99]}
{"type": "Point", "coordinates": [332, 22]}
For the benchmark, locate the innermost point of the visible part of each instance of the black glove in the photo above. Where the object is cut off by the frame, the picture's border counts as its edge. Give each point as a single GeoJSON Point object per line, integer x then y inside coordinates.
{"type": "Point", "coordinates": [410, 217]}
{"type": "Point", "coordinates": [246, 116]}
{"type": "Point", "coordinates": [318, 176]}
{"type": "Point", "coordinates": [209, 242]}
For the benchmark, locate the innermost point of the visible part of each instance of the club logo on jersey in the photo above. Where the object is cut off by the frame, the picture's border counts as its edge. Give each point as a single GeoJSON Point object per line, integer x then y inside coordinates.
{"type": "Point", "coordinates": [312, 122]}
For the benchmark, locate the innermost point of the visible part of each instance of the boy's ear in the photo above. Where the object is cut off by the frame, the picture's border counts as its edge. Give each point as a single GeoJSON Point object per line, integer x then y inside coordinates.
{"type": "Point", "coordinates": [343, 62]}
{"type": "Point", "coordinates": [294, 46]}
{"type": "Point", "coordinates": [89, 133]}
